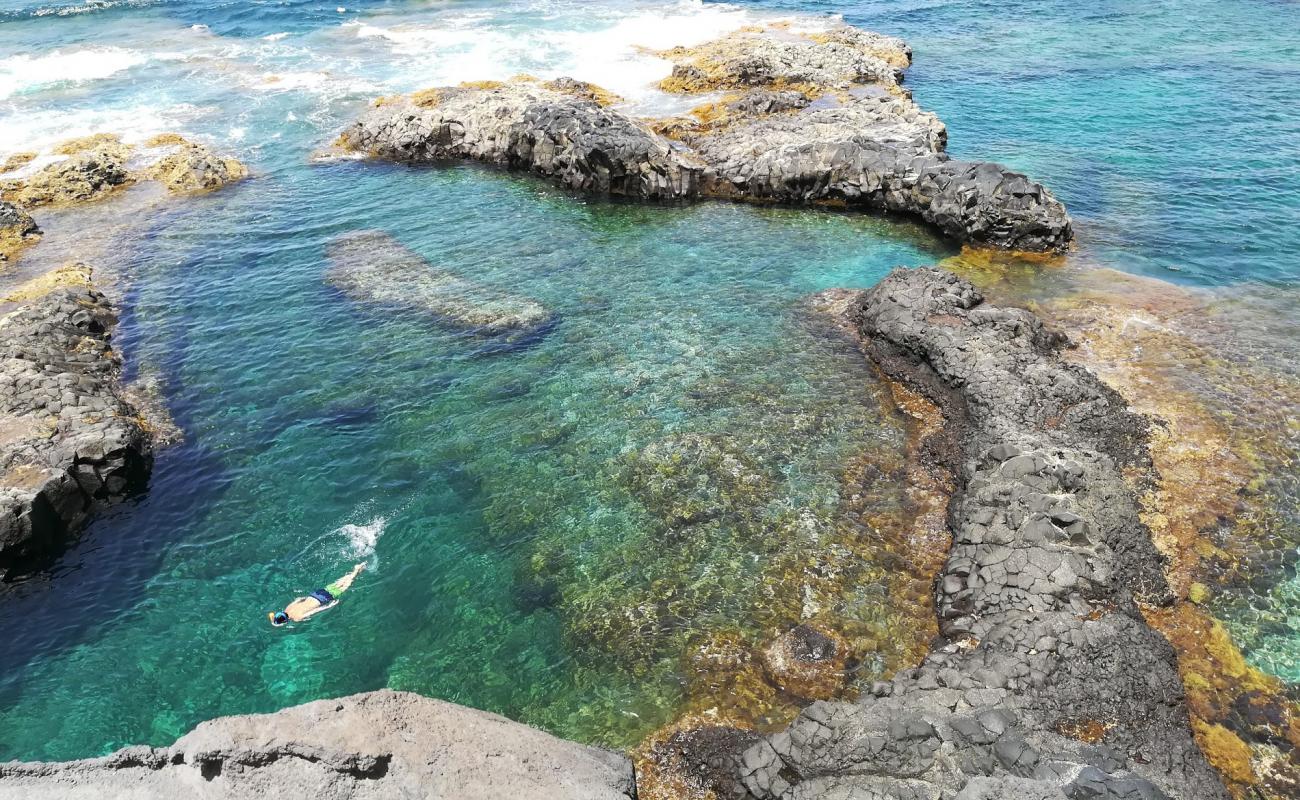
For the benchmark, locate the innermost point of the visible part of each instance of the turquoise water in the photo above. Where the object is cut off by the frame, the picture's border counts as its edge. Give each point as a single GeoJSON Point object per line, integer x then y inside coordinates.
{"type": "Point", "coordinates": [518, 562]}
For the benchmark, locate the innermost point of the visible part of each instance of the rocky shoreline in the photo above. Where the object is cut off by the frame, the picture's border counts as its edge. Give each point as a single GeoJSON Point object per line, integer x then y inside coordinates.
{"type": "Point", "coordinates": [71, 441]}
{"type": "Point", "coordinates": [815, 120]}
{"type": "Point", "coordinates": [1046, 681]}
{"type": "Point", "coordinates": [381, 744]}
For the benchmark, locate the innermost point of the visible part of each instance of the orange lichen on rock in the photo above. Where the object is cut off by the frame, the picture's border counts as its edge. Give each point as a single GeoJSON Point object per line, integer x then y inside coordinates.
{"type": "Point", "coordinates": [95, 141]}
{"type": "Point", "coordinates": [17, 161]}
{"type": "Point", "coordinates": [165, 139]}
{"type": "Point", "coordinates": [1130, 331]}
{"type": "Point", "coordinates": [425, 98]}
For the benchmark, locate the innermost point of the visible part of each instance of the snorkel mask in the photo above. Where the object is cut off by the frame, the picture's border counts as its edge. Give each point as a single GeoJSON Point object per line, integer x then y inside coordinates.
{"type": "Point", "coordinates": [277, 618]}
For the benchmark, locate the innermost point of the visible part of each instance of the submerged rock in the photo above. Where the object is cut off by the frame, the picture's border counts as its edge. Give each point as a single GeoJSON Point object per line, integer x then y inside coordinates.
{"type": "Point", "coordinates": [807, 661]}
{"type": "Point", "coordinates": [382, 744]}
{"type": "Point", "coordinates": [1047, 681]}
{"type": "Point", "coordinates": [17, 230]}
{"type": "Point", "coordinates": [68, 441]}
{"type": "Point", "coordinates": [818, 120]}
{"type": "Point", "coordinates": [373, 267]}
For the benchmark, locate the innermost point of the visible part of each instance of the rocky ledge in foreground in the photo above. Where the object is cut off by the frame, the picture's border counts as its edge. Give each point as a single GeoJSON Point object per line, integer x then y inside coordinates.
{"type": "Point", "coordinates": [69, 442]}
{"type": "Point", "coordinates": [372, 267]}
{"type": "Point", "coordinates": [795, 119]}
{"type": "Point", "coordinates": [382, 744]}
{"type": "Point", "coordinates": [1046, 681]}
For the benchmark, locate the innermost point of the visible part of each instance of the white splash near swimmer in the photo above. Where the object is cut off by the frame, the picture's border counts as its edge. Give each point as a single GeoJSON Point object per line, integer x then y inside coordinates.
{"type": "Point", "coordinates": [361, 539]}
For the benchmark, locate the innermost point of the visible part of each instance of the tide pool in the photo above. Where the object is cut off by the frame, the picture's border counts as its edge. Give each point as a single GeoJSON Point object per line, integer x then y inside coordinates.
{"type": "Point", "coordinates": [518, 564]}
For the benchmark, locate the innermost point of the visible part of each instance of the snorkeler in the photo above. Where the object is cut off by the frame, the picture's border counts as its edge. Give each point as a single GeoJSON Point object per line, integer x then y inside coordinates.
{"type": "Point", "coordinates": [319, 600]}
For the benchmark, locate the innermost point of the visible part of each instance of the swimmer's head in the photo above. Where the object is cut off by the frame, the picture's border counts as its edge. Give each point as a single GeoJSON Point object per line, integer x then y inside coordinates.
{"type": "Point", "coordinates": [278, 618]}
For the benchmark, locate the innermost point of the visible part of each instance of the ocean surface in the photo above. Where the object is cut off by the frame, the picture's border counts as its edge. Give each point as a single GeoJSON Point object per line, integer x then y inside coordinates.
{"type": "Point", "coordinates": [515, 561]}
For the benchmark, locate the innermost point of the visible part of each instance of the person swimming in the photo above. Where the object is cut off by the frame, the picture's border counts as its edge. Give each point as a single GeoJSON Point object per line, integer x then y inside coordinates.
{"type": "Point", "coordinates": [319, 600]}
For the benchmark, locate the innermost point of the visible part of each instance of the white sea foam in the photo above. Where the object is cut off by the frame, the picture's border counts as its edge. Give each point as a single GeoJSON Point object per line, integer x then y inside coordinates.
{"type": "Point", "coordinates": [39, 130]}
{"type": "Point", "coordinates": [615, 54]}
{"type": "Point", "coordinates": [361, 539]}
{"type": "Point", "coordinates": [23, 73]}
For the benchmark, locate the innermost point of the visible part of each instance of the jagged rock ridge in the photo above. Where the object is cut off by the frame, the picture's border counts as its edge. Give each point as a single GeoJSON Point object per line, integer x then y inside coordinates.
{"type": "Point", "coordinates": [69, 442]}
{"type": "Point", "coordinates": [1047, 682]}
{"type": "Point", "coordinates": [817, 120]}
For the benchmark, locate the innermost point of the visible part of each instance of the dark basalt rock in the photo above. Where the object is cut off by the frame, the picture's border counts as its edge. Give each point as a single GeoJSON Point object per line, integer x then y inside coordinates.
{"type": "Point", "coordinates": [17, 228]}
{"type": "Point", "coordinates": [69, 442]}
{"type": "Point", "coordinates": [1047, 682]}
{"type": "Point", "coordinates": [849, 137]}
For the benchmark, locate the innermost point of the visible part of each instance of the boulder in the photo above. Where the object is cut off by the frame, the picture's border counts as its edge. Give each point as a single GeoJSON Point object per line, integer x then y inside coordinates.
{"type": "Point", "coordinates": [378, 745]}
{"type": "Point", "coordinates": [193, 167]}
{"type": "Point", "coordinates": [17, 230]}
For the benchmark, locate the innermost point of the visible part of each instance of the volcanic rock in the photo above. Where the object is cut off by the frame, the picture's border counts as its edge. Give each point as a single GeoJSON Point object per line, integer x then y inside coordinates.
{"type": "Point", "coordinates": [1047, 681]}
{"type": "Point", "coordinates": [818, 120]}
{"type": "Point", "coordinates": [69, 443]}
{"type": "Point", "coordinates": [377, 745]}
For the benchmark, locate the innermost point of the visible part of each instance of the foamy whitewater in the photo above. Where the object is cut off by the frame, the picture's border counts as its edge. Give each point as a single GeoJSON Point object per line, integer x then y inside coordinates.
{"type": "Point", "coordinates": [522, 573]}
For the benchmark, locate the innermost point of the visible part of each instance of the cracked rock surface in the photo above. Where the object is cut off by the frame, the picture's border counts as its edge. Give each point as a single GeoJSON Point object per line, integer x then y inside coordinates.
{"type": "Point", "coordinates": [382, 744]}
{"type": "Point", "coordinates": [1047, 682]}
{"type": "Point", "coordinates": [822, 121]}
{"type": "Point", "coordinates": [68, 441]}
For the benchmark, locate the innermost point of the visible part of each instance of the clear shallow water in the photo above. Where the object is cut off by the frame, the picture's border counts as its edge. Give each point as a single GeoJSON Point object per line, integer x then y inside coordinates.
{"type": "Point", "coordinates": [516, 567]}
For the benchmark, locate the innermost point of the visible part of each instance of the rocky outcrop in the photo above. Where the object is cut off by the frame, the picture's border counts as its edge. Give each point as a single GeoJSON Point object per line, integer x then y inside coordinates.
{"type": "Point", "coordinates": [812, 120]}
{"type": "Point", "coordinates": [575, 142]}
{"type": "Point", "coordinates": [95, 166]}
{"type": "Point", "coordinates": [85, 175]}
{"type": "Point", "coordinates": [373, 267]}
{"type": "Point", "coordinates": [68, 441]}
{"type": "Point", "coordinates": [17, 230]}
{"type": "Point", "coordinates": [192, 167]}
{"type": "Point", "coordinates": [1047, 682]}
{"type": "Point", "coordinates": [381, 744]}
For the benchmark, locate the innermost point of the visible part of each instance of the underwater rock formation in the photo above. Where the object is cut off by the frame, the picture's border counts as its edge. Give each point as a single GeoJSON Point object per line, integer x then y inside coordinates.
{"type": "Point", "coordinates": [824, 123]}
{"type": "Point", "coordinates": [1046, 682]}
{"type": "Point", "coordinates": [373, 267]}
{"type": "Point", "coordinates": [69, 442]}
{"type": "Point", "coordinates": [381, 744]}
{"type": "Point", "coordinates": [17, 230]}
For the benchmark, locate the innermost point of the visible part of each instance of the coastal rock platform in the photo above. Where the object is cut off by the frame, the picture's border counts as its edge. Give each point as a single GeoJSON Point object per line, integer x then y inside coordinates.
{"type": "Point", "coordinates": [381, 744]}
{"type": "Point", "coordinates": [69, 442]}
{"type": "Point", "coordinates": [815, 120]}
{"type": "Point", "coordinates": [1046, 682]}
